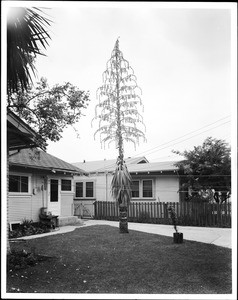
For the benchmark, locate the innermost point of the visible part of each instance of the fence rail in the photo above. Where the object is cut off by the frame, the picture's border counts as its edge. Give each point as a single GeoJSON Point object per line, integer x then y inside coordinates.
{"type": "Point", "coordinates": [188, 213]}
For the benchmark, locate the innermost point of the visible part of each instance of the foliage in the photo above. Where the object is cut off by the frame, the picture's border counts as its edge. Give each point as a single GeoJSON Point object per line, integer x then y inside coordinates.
{"type": "Point", "coordinates": [118, 121]}
{"type": "Point", "coordinates": [120, 185]}
{"type": "Point", "coordinates": [26, 33]}
{"type": "Point", "coordinates": [49, 109]}
{"type": "Point", "coordinates": [144, 217]}
{"type": "Point", "coordinates": [22, 259]}
{"type": "Point", "coordinates": [27, 227]}
{"type": "Point", "coordinates": [206, 171]}
{"type": "Point", "coordinates": [173, 217]}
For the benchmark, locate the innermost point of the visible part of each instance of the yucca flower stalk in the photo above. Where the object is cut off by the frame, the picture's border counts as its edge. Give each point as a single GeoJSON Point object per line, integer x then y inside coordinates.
{"type": "Point", "coordinates": [119, 120]}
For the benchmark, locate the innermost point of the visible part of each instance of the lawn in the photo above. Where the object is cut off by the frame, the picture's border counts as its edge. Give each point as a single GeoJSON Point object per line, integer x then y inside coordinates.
{"type": "Point", "coordinates": [98, 259]}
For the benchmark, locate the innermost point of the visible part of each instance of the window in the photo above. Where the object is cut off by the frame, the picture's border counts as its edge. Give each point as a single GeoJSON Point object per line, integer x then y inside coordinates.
{"type": "Point", "coordinates": [147, 189]}
{"type": "Point", "coordinates": [89, 189]}
{"type": "Point", "coordinates": [18, 184]}
{"type": "Point", "coordinates": [84, 189]}
{"type": "Point", "coordinates": [142, 188]}
{"type": "Point", "coordinates": [135, 189]}
{"type": "Point", "coordinates": [79, 189]}
{"type": "Point", "coordinates": [54, 190]}
{"type": "Point", "coordinates": [65, 185]}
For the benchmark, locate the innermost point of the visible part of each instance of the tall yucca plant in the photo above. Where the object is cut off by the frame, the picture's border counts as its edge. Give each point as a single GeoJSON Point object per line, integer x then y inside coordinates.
{"type": "Point", "coordinates": [120, 185]}
{"type": "Point", "coordinates": [119, 120]}
{"type": "Point", "coordinates": [26, 34]}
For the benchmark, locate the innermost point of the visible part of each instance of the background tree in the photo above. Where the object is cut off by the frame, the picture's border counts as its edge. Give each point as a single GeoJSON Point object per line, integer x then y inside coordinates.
{"type": "Point", "coordinates": [49, 109]}
{"type": "Point", "coordinates": [207, 171]}
{"type": "Point", "coordinates": [27, 32]}
{"type": "Point", "coordinates": [119, 121]}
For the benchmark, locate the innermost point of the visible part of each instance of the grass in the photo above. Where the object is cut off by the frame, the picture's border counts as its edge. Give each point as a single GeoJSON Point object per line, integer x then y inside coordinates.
{"type": "Point", "coordinates": [98, 259]}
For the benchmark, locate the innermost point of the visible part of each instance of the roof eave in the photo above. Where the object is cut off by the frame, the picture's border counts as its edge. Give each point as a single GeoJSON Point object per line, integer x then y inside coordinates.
{"type": "Point", "coordinates": [51, 169]}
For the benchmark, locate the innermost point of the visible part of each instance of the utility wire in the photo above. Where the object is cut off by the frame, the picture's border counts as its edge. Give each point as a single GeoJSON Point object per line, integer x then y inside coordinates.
{"type": "Point", "coordinates": [149, 150]}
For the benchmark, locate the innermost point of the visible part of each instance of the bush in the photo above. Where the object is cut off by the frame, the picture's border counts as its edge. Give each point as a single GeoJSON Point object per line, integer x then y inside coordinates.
{"type": "Point", "coordinates": [144, 217]}
{"type": "Point", "coordinates": [28, 227]}
{"type": "Point", "coordinates": [21, 259]}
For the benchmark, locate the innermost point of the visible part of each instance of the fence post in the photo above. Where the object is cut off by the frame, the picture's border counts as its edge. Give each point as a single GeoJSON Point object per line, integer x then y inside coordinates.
{"type": "Point", "coordinates": [95, 209]}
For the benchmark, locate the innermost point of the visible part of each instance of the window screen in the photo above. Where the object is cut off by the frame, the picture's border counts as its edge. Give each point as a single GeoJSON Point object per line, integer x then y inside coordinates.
{"type": "Point", "coordinates": [135, 189]}
{"type": "Point", "coordinates": [66, 185]}
{"type": "Point", "coordinates": [79, 189]}
{"type": "Point", "coordinates": [147, 189]}
{"type": "Point", "coordinates": [89, 189]}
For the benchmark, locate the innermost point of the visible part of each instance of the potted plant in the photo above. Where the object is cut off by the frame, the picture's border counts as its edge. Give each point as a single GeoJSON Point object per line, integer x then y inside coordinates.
{"type": "Point", "coordinates": [178, 236]}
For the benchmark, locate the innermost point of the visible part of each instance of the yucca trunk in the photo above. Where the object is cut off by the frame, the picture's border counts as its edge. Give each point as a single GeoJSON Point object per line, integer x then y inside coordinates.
{"type": "Point", "coordinates": [121, 192]}
{"type": "Point", "coordinates": [123, 222]}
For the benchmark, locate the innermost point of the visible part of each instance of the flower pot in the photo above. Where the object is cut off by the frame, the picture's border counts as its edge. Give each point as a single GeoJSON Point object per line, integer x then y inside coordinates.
{"type": "Point", "coordinates": [178, 237]}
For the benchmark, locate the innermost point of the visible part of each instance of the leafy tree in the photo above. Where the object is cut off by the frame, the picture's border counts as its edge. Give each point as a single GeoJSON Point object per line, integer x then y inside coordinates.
{"type": "Point", "coordinates": [26, 33]}
{"type": "Point", "coordinates": [206, 171]}
{"type": "Point", "coordinates": [119, 121]}
{"type": "Point", "coordinates": [49, 109]}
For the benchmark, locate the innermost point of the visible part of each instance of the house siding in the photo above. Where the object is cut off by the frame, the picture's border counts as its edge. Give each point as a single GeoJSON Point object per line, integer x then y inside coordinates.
{"type": "Point", "coordinates": [27, 206]}
{"type": "Point", "coordinates": [20, 207]}
{"type": "Point", "coordinates": [166, 189]}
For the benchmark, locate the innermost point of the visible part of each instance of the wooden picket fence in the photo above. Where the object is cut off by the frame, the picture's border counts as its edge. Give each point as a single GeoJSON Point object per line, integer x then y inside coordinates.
{"type": "Point", "coordinates": [188, 213]}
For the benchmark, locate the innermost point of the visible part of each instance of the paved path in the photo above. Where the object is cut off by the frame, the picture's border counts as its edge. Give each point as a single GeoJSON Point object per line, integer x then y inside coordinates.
{"type": "Point", "coordinates": [217, 236]}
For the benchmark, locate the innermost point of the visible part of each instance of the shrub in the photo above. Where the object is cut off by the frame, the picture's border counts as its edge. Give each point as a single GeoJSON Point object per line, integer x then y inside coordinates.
{"type": "Point", "coordinates": [173, 217]}
{"type": "Point", "coordinates": [28, 227]}
{"type": "Point", "coordinates": [144, 217]}
{"type": "Point", "coordinates": [22, 259]}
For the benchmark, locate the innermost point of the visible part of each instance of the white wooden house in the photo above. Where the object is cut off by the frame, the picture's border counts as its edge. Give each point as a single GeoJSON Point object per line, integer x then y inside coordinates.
{"type": "Point", "coordinates": [158, 181]}
{"type": "Point", "coordinates": [36, 180]}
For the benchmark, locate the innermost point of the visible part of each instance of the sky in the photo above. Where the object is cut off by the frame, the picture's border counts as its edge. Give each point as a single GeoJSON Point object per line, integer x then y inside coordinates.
{"type": "Point", "coordinates": [181, 55]}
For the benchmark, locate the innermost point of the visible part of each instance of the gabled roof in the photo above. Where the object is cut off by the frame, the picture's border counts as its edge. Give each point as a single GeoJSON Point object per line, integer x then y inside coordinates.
{"type": "Point", "coordinates": [19, 134]}
{"type": "Point", "coordinates": [43, 161]}
{"type": "Point", "coordinates": [156, 167]}
{"type": "Point", "coordinates": [101, 166]}
{"type": "Point", "coordinates": [134, 165]}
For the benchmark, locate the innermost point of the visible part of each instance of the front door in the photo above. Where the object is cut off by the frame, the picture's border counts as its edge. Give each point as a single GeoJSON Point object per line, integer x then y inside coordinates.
{"type": "Point", "coordinates": [54, 197]}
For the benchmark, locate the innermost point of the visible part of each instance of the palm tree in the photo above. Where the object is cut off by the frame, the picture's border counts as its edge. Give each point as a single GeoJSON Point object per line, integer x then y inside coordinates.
{"type": "Point", "coordinates": [26, 33]}
{"type": "Point", "coordinates": [119, 120]}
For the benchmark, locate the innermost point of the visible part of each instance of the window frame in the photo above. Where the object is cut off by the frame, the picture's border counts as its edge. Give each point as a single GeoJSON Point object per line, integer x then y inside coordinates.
{"type": "Point", "coordinates": [137, 180]}
{"type": "Point", "coordinates": [78, 197]}
{"type": "Point", "coordinates": [142, 186]}
{"type": "Point", "coordinates": [29, 184]}
{"type": "Point", "coordinates": [61, 182]}
{"type": "Point", "coordinates": [84, 186]}
{"type": "Point", "coordinates": [141, 180]}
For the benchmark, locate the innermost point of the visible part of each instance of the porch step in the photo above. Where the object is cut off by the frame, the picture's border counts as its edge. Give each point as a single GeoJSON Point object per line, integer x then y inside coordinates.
{"type": "Point", "coordinates": [70, 220]}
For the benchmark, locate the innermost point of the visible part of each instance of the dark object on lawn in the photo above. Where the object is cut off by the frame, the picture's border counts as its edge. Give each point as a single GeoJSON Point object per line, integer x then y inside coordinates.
{"type": "Point", "coordinates": [48, 219]}
{"type": "Point", "coordinates": [178, 237]}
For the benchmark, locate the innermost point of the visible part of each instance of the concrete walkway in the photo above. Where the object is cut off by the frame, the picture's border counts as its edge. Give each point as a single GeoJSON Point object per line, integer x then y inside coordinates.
{"type": "Point", "coordinates": [210, 235]}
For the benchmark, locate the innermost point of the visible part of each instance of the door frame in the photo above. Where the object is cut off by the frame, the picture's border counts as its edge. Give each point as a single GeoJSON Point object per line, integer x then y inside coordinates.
{"type": "Point", "coordinates": [54, 207]}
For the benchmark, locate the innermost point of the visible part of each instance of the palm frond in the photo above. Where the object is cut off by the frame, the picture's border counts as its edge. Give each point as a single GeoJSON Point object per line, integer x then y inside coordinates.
{"type": "Point", "coordinates": [121, 184]}
{"type": "Point", "coordinates": [26, 33]}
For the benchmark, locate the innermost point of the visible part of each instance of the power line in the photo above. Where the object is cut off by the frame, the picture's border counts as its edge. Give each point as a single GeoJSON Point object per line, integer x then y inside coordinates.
{"type": "Point", "coordinates": [111, 165]}
{"type": "Point", "coordinates": [179, 138]}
